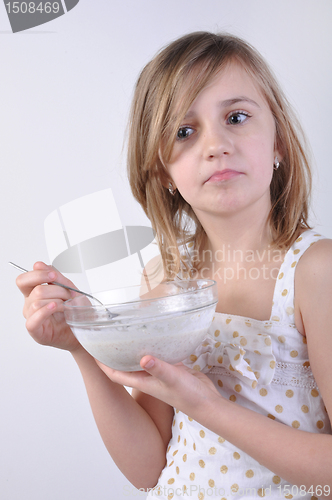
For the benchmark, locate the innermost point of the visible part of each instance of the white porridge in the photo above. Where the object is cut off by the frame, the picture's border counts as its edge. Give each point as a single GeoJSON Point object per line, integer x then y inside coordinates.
{"type": "Point", "coordinates": [122, 347]}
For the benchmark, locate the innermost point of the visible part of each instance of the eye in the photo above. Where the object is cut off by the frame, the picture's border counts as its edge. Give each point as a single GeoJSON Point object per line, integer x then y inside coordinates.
{"type": "Point", "coordinates": [237, 117]}
{"type": "Point", "coordinates": [184, 133]}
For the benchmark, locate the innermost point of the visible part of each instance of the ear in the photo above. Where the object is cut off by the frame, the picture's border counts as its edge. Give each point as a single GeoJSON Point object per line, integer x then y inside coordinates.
{"type": "Point", "coordinates": [278, 151]}
{"type": "Point", "coordinates": [166, 184]}
{"type": "Point", "coordinates": [277, 158]}
{"type": "Point", "coordinates": [164, 176]}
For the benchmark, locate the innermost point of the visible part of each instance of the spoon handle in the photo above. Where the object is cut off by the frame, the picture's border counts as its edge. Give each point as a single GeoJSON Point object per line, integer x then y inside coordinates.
{"type": "Point", "coordinates": [58, 284]}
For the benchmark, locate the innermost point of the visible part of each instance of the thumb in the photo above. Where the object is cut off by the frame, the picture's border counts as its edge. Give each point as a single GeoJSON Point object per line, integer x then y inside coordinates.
{"type": "Point", "coordinates": [159, 369]}
{"type": "Point", "coordinates": [147, 363]}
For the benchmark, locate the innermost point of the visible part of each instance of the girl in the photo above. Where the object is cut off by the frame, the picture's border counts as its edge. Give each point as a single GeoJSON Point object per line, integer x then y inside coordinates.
{"type": "Point", "coordinates": [216, 162]}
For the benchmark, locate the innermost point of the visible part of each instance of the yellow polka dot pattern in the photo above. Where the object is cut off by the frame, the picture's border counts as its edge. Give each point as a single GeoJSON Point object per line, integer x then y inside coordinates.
{"type": "Point", "coordinates": [232, 354]}
{"type": "Point", "coordinates": [274, 354]}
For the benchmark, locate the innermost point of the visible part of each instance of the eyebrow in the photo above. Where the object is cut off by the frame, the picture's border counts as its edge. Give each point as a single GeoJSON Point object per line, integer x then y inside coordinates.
{"type": "Point", "coordinates": [229, 102]}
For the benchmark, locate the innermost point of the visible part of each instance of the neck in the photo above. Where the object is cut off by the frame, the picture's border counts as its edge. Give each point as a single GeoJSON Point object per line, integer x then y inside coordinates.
{"type": "Point", "coordinates": [236, 234]}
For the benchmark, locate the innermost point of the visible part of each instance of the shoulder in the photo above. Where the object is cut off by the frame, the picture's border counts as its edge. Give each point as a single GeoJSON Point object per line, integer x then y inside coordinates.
{"type": "Point", "coordinates": [315, 266]}
{"type": "Point", "coordinates": [313, 292]}
{"type": "Point", "coordinates": [313, 286]}
{"type": "Point", "coordinates": [313, 283]}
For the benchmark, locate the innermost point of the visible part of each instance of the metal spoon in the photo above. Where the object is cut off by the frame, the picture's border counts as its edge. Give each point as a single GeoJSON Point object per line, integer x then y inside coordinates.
{"type": "Point", "coordinates": [112, 315]}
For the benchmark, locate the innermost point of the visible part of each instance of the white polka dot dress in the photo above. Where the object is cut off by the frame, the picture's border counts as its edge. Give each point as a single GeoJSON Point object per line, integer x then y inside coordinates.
{"type": "Point", "coordinates": [263, 366]}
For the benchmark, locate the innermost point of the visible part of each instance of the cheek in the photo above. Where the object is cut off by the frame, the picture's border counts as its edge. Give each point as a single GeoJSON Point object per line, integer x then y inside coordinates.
{"type": "Point", "coordinates": [262, 152]}
{"type": "Point", "coordinates": [185, 183]}
{"type": "Point", "coordinates": [181, 170]}
{"type": "Point", "coordinates": [185, 186]}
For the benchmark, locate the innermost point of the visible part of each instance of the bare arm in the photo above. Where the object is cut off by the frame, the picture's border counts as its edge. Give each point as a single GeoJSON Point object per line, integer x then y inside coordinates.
{"type": "Point", "coordinates": [135, 430]}
{"type": "Point", "coordinates": [299, 457]}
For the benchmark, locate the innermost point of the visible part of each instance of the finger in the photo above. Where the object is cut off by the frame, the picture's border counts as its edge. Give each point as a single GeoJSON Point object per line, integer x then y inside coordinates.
{"type": "Point", "coordinates": [42, 295]}
{"type": "Point", "coordinates": [41, 266]}
{"type": "Point", "coordinates": [130, 379]}
{"type": "Point", "coordinates": [56, 276]}
{"type": "Point", "coordinates": [34, 323]}
{"type": "Point", "coordinates": [173, 384]}
{"type": "Point", "coordinates": [48, 292]}
{"type": "Point", "coordinates": [166, 373]}
{"type": "Point", "coordinates": [26, 282]}
{"type": "Point", "coordinates": [160, 370]}
{"type": "Point", "coordinates": [47, 268]}
{"type": "Point", "coordinates": [32, 307]}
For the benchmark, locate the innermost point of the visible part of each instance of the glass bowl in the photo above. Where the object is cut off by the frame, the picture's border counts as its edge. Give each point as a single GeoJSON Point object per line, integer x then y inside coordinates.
{"type": "Point", "coordinates": [168, 322]}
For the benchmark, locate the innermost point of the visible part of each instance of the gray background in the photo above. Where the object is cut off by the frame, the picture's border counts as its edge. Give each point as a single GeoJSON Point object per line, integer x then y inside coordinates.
{"type": "Point", "coordinates": [65, 90]}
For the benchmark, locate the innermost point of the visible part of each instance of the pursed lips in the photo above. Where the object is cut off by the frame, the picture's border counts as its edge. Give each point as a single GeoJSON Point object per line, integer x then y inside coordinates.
{"type": "Point", "coordinates": [223, 175]}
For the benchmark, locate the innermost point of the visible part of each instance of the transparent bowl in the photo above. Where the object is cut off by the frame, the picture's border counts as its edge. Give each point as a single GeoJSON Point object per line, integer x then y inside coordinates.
{"type": "Point", "coordinates": [168, 322]}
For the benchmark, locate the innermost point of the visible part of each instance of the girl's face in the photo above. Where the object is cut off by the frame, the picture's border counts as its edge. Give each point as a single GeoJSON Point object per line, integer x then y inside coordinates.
{"type": "Point", "coordinates": [223, 157]}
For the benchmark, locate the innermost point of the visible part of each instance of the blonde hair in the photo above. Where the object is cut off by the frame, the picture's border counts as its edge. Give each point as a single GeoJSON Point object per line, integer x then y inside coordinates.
{"type": "Point", "coordinates": [166, 88]}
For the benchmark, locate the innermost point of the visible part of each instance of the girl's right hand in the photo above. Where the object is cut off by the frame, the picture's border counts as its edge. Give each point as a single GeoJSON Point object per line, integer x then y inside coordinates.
{"type": "Point", "coordinates": [43, 307]}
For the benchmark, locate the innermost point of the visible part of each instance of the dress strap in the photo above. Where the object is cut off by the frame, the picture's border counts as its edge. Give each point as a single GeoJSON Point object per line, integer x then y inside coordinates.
{"type": "Point", "coordinates": [283, 298]}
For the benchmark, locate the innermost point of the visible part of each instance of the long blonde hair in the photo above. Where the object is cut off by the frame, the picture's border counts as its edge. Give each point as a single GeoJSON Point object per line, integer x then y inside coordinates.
{"type": "Point", "coordinates": [166, 88]}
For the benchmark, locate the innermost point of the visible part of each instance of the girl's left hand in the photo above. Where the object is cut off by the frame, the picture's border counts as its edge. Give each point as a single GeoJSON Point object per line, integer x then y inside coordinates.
{"type": "Point", "coordinates": [176, 385]}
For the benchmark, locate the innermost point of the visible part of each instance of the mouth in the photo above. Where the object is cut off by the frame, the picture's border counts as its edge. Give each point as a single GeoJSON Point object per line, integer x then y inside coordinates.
{"type": "Point", "coordinates": [223, 175]}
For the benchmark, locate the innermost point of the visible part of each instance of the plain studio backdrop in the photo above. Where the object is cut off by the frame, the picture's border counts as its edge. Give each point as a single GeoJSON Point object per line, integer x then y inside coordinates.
{"type": "Point", "coordinates": [65, 91]}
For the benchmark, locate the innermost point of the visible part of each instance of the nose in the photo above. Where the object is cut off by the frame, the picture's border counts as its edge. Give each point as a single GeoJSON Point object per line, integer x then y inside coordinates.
{"type": "Point", "coordinates": [216, 143]}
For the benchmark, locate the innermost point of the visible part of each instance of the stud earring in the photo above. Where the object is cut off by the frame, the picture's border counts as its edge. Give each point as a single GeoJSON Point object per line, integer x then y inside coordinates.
{"type": "Point", "coordinates": [276, 163]}
{"type": "Point", "coordinates": [170, 189]}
